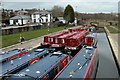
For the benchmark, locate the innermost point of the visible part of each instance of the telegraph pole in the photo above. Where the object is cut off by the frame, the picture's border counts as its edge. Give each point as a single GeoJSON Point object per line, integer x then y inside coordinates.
{"type": "Point", "coordinates": [76, 16]}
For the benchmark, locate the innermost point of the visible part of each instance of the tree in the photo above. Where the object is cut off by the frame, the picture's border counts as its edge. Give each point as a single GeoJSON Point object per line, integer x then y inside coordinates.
{"type": "Point", "coordinates": [69, 14]}
{"type": "Point", "coordinates": [57, 11]}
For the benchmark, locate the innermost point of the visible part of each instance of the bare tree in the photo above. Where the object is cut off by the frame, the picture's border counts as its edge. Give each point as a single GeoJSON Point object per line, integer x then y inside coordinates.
{"type": "Point", "coordinates": [57, 11]}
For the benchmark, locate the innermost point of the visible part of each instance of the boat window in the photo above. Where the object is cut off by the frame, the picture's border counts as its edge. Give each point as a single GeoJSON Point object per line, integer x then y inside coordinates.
{"type": "Point", "coordinates": [45, 39]}
{"type": "Point", "coordinates": [89, 39]}
{"type": "Point", "coordinates": [71, 41]}
{"type": "Point", "coordinates": [50, 39]}
{"type": "Point", "coordinates": [63, 41]}
{"type": "Point", "coordinates": [86, 39]}
{"type": "Point", "coordinates": [56, 40]}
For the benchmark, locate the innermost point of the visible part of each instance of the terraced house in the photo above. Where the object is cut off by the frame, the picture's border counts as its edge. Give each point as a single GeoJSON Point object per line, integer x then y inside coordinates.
{"type": "Point", "coordinates": [40, 16]}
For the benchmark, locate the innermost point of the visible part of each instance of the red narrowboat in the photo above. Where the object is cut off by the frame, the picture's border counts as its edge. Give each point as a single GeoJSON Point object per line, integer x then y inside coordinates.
{"type": "Point", "coordinates": [60, 42]}
{"type": "Point", "coordinates": [74, 42]}
{"type": "Point", "coordinates": [75, 29]}
{"type": "Point", "coordinates": [50, 39]}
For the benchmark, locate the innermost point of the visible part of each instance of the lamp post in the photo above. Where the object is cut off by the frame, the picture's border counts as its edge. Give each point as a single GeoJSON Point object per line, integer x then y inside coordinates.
{"type": "Point", "coordinates": [48, 28]}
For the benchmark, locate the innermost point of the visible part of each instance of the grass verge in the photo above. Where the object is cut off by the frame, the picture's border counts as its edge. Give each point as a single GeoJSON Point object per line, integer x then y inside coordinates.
{"type": "Point", "coordinates": [112, 30]}
{"type": "Point", "coordinates": [8, 40]}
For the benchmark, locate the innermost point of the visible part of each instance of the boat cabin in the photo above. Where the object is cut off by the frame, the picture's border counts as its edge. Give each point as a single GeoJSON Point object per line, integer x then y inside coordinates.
{"type": "Point", "coordinates": [77, 29]}
{"type": "Point", "coordinates": [75, 41]}
{"type": "Point", "coordinates": [91, 39]}
{"type": "Point", "coordinates": [61, 41]}
{"type": "Point", "coordinates": [50, 39]}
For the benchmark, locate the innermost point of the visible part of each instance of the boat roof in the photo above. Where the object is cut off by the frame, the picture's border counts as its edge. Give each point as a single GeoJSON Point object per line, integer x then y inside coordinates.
{"type": "Point", "coordinates": [67, 35]}
{"type": "Point", "coordinates": [40, 68]}
{"type": "Point", "coordinates": [56, 34]}
{"type": "Point", "coordinates": [74, 69]}
{"type": "Point", "coordinates": [76, 36]}
{"type": "Point", "coordinates": [77, 27]}
{"type": "Point", "coordinates": [5, 55]}
{"type": "Point", "coordinates": [17, 62]}
{"type": "Point", "coordinates": [91, 35]}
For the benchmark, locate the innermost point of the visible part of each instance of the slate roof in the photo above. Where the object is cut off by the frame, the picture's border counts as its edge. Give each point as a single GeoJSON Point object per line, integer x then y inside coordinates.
{"type": "Point", "coordinates": [22, 12]}
{"type": "Point", "coordinates": [42, 12]}
{"type": "Point", "coordinates": [60, 18]}
{"type": "Point", "coordinates": [20, 17]}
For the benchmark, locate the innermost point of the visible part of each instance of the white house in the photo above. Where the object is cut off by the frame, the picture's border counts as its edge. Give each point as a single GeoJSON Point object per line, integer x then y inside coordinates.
{"type": "Point", "coordinates": [41, 17]}
{"type": "Point", "coordinates": [20, 20]}
{"type": "Point", "coordinates": [64, 21]}
{"type": "Point", "coordinates": [22, 12]}
{"type": "Point", "coordinates": [61, 19]}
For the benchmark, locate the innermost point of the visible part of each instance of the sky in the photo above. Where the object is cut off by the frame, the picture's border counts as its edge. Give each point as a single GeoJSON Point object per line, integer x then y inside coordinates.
{"type": "Point", "coordinates": [82, 6]}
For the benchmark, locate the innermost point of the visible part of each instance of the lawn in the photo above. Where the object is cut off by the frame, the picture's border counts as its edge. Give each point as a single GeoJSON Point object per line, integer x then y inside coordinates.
{"type": "Point", "coordinates": [118, 26]}
{"type": "Point", "coordinates": [112, 30]}
{"type": "Point", "coordinates": [8, 40]}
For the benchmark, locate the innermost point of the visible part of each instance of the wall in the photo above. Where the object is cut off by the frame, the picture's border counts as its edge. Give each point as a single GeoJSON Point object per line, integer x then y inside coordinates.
{"type": "Point", "coordinates": [37, 16]}
{"type": "Point", "coordinates": [11, 22]}
{"type": "Point", "coordinates": [23, 29]}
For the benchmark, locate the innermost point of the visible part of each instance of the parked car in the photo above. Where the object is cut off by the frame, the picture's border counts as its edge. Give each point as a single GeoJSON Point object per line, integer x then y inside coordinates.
{"type": "Point", "coordinates": [3, 25]}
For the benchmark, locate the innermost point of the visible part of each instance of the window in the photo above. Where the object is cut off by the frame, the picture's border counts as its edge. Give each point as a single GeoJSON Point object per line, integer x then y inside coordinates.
{"type": "Point", "coordinates": [63, 41]}
{"type": "Point", "coordinates": [34, 20]}
{"type": "Point", "coordinates": [39, 21]}
{"type": "Point", "coordinates": [50, 39]}
{"type": "Point", "coordinates": [86, 39]}
{"type": "Point", "coordinates": [34, 16]}
{"type": "Point", "coordinates": [89, 40]}
{"type": "Point", "coordinates": [71, 41]}
{"type": "Point", "coordinates": [46, 20]}
{"type": "Point", "coordinates": [56, 40]}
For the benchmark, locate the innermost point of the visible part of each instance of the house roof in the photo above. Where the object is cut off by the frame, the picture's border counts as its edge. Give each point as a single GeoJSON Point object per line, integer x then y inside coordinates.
{"type": "Point", "coordinates": [42, 12]}
{"type": "Point", "coordinates": [60, 18]}
{"type": "Point", "coordinates": [20, 17]}
{"type": "Point", "coordinates": [22, 12]}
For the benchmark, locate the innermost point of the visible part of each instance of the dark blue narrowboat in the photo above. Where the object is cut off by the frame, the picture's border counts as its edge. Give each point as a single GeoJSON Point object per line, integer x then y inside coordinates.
{"type": "Point", "coordinates": [45, 68]}
{"type": "Point", "coordinates": [82, 66]}
{"type": "Point", "coordinates": [16, 64]}
{"type": "Point", "coordinates": [5, 56]}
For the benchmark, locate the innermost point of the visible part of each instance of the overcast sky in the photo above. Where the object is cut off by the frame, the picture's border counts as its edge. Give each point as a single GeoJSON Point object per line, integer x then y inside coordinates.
{"type": "Point", "coordinates": [86, 6]}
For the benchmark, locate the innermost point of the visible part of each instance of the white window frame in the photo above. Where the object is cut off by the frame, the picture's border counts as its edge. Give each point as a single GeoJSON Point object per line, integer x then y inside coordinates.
{"type": "Point", "coordinates": [50, 39]}
{"type": "Point", "coordinates": [63, 40]}
{"type": "Point", "coordinates": [56, 40]}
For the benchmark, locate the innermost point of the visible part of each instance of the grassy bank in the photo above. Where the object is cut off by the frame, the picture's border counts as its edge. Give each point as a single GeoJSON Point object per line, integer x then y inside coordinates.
{"type": "Point", "coordinates": [8, 40]}
{"type": "Point", "coordinates": [112, 30]}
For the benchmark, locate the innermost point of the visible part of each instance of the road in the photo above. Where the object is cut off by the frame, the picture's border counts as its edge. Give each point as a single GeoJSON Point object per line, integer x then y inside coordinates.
{"type": "Point", "coordinates": [107, 66]}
